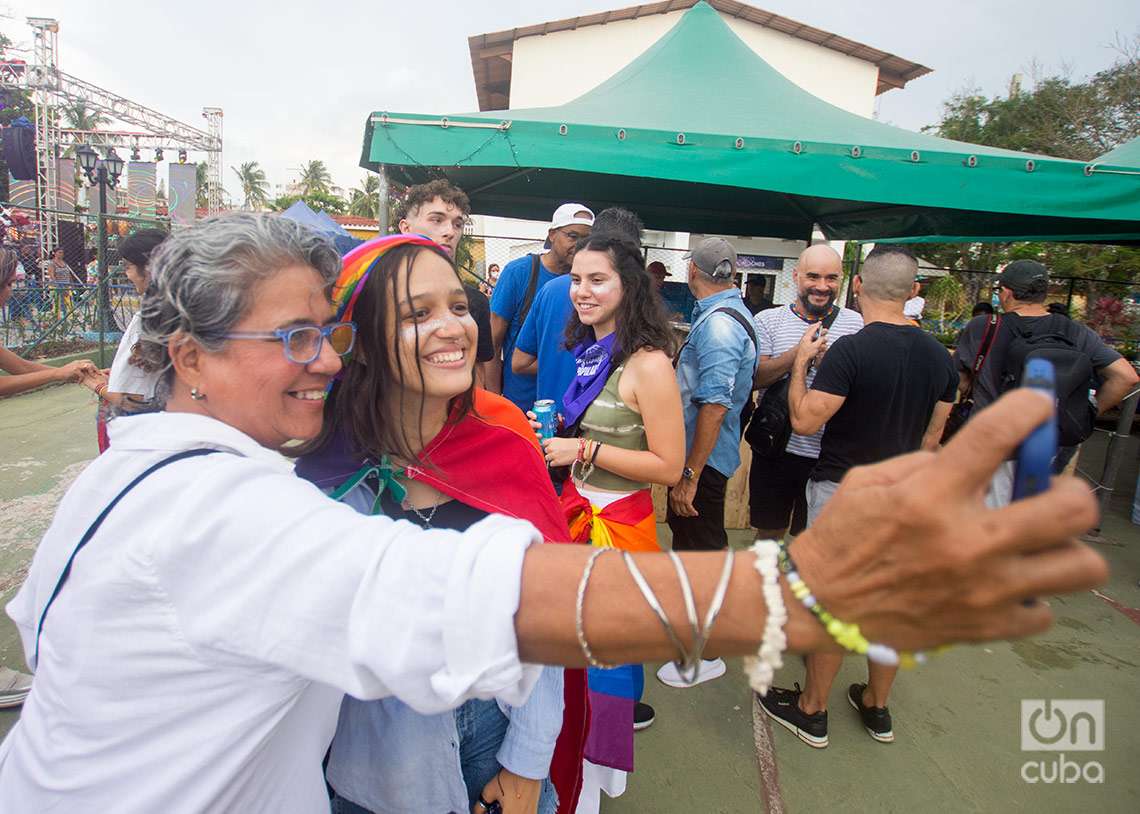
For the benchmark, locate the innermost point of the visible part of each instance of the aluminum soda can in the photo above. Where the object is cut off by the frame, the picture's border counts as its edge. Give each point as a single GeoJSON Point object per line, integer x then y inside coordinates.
{"type": "Point", "coordinates": [544, 411]}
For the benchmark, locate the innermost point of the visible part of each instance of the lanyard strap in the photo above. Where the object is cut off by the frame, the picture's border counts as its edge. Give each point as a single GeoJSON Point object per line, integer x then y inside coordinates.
{"type": "Point", "coordinates": [385, 472]}
{"type": "Point", "coordinates": [190, 453]}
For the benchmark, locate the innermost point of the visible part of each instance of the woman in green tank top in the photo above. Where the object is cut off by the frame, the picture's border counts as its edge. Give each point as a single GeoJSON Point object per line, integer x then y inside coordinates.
{"type": "Point", "coordinates": [627, 406]}
{"type": "Point", "coordinates": [625, 400]}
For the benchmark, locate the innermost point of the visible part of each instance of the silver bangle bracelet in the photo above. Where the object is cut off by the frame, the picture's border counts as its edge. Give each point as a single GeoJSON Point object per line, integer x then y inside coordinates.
{"type": "Point", "coordinates": [579, 625]}
{"type": "Point", "coordinates": [690, 608]}
{"type": "Point", "coordinates": [718, 599]}
{"type": "Point", "coordinates": [651, 600]}
{"type": "Point", "coordinates": [701, 635]}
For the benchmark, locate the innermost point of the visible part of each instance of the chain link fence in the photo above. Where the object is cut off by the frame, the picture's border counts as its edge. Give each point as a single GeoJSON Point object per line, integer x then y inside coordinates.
{"type": "Point", "coordinates": [57, 305]}
{"type": "Point", "coordinates": [1111, 308]}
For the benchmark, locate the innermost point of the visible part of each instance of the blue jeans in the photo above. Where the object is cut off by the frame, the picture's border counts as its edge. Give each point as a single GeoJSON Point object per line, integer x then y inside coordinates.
{"type": "Point", "coordinates": [482, 727]}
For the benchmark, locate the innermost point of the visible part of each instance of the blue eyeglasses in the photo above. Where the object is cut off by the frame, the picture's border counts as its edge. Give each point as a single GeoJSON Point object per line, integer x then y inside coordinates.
{"type": "Point", "coordinates": [303, 343]}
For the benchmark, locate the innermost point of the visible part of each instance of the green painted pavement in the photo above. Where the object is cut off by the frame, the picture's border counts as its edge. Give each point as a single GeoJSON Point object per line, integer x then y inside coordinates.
{"type": "Point", "coordinates": [46, 438]}
{"type": "Point", "coordinates": [956, 720]}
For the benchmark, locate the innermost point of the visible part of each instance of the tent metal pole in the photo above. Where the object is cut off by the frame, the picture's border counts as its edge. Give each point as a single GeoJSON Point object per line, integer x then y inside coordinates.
{"type": "Point", "coordinates": [850, 299]}
{"type": "Point", "coordinates": [1115, 450]}
{"type": "Point", "coordinates": [382, 206]}
{"type": "Point", "coordinates": [508, 177]}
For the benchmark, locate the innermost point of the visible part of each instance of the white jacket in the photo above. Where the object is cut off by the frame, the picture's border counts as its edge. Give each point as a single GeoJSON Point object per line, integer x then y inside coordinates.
{"type": "Point", "coordinates": [196, 658]}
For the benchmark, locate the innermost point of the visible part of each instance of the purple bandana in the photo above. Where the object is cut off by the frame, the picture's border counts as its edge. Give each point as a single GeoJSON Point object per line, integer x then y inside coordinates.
{"type": "Point", "coordinates": [594, 363]}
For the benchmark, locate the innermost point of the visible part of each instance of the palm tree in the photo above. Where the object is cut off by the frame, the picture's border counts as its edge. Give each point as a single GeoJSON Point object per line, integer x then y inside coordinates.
{"type": "Point", "coordinates": [78, 116]}
{"type": "Point", "coordinates": [315, 177]}
{"type": "Point", "coordinates": [365, 199]}
{"type": "Point", "coordinates": [200, 178]}
{"type": "Point", "coordinates": [254, 186]}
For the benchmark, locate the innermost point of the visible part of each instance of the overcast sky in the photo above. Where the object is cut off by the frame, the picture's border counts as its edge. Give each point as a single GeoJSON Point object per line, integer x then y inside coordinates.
{"type": "Point", "coordinates": [296, 80]}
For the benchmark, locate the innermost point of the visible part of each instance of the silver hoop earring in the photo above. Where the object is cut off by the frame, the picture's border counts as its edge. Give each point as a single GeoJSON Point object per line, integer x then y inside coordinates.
{"type": "Point", "coordinates": [196, 394]}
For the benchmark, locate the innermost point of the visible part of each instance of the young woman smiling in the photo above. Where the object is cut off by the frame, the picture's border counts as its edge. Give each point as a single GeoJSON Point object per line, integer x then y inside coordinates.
{"type": "Point", "coordinates": [627, 406]}
{"type": "Point", "coordinates": [408, 436]}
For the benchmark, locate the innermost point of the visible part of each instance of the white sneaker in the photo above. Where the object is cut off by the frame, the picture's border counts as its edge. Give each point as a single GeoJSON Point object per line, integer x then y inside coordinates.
{"type": "Point", "coordinates": [671, 676]}
{"type": "Point", "coordinates": [14, 687]}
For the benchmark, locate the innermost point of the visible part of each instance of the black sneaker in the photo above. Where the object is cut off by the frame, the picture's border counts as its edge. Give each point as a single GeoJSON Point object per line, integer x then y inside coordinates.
{"type": "Point", "coordinates": [643, 716]}
{"type": "Point", "coordinates": [783, 707]}
{"type": "Point", "coordinates": [876, 720]}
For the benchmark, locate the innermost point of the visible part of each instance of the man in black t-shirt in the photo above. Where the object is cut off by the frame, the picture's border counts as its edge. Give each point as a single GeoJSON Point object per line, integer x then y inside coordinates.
{"type": "Point", "coordinates": [881, 392]}
{"type": "Point", "coordinates": [1023, 285]}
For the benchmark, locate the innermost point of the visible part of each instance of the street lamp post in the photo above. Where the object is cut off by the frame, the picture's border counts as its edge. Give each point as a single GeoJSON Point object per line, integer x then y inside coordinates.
{"type": "Point", "coordinates": [102, 173]}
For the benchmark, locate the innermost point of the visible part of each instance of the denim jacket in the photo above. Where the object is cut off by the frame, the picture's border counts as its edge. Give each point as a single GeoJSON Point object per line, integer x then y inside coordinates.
{"type": "Point", "coordinates": [392, 760]}
{"type": "Point", "coordinates": [716, 366]}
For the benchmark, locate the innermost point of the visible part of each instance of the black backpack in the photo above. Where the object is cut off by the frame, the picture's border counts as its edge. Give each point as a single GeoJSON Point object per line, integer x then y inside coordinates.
{"type": "Point", "coordinates": [1055, 338]}
{"type": "Point", "coordinates": [770, 427]}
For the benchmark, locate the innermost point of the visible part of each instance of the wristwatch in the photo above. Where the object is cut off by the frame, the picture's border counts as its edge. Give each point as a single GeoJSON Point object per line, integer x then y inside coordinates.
{"type": "Point", "coordinates": [687, 473]}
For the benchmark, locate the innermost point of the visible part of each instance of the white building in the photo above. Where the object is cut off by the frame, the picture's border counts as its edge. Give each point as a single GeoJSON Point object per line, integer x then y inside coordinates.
{"type": "Point", "coordinates": [551, 63]}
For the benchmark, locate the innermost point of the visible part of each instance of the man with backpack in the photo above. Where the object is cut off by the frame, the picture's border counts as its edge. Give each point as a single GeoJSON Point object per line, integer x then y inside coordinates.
{"type": "Point", "coordinates": [714, 370]}
{"type": "Point", "coordinates": [518, 284]}
{"type": "Point", "coordinates": [997, 346]}
{"type": "Point", "coordinates": [782, 460]}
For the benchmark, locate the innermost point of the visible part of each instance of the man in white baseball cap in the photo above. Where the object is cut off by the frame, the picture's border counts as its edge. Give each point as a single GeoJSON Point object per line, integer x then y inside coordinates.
{"type": "Point", "coordinates": [518, 283]}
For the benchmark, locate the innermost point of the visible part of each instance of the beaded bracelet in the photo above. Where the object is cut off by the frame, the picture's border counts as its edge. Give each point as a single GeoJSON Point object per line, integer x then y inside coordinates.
{"type": "Point", "coordinates": [585, 461]}
{"type": "Point", "coordinates": [847, 635]}
{"type": "Point", "coordinates": [761, 668]}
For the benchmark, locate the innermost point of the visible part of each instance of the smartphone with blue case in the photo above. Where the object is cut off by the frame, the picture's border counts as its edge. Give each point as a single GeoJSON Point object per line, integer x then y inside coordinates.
{"type": "Point", "coordinates": [1035, 455]}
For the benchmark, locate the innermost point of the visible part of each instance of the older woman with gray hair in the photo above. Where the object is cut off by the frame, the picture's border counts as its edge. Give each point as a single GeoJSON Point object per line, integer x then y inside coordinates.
{"type": "Point", "coordinates": [196, 612]}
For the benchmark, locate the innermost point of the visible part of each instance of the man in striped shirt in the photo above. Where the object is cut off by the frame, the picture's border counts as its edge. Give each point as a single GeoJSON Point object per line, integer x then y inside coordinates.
{"type": "Point", "coordinates": [776, 485]}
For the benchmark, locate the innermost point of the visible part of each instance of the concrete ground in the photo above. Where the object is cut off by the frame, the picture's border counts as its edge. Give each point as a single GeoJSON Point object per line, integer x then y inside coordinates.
{"type": "Point", "coordinates": [957, 720]}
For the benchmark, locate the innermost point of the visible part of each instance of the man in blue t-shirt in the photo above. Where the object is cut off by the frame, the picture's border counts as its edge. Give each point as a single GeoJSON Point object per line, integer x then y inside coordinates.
{"type": "Point", "coordinates": [541, 342]}
{"type": "Point", "coordinates": [519, 283]}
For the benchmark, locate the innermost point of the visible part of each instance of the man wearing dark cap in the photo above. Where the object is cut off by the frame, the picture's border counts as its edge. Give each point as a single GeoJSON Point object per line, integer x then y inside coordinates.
{"type": "Point", "coordinates": [1025, 322]}
{"type": "Point", "coordinates": [714, 369]}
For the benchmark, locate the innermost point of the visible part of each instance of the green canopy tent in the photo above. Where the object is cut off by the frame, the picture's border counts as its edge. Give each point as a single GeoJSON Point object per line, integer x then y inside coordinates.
{"type": "Point", "coordinates": [1125, 159]}
{"type": "Point", "coordinates": [701, 134]}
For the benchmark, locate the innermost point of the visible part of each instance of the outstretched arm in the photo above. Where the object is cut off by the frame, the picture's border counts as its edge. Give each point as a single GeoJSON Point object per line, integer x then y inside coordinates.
{"type": "Point", "coordinates": [967, 572]}
{"type": "Point", "coordinates": [25, 375]}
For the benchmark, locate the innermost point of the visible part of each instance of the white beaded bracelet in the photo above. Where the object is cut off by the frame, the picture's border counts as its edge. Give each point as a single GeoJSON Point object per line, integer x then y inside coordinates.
{"type": "Point", "coordinates": [762, 667]}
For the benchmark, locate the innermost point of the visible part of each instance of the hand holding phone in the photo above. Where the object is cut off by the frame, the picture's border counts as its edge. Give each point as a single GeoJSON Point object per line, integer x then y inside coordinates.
{"type": "Point", "coordinates": [1035, 455]}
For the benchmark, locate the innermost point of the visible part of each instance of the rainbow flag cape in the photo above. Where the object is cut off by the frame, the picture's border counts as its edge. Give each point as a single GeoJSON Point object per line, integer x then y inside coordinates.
{"type": "Point", "coordinates": [490, 460]}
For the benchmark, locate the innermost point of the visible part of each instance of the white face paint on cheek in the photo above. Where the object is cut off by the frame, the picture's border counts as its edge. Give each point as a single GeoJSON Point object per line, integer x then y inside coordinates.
{"type": "Point", "coordinates": [607, 289]}
{"type": "Point", "coordinates": [408, 332]}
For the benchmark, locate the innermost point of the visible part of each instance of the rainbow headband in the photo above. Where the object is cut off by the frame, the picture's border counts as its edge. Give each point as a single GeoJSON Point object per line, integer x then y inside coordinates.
{"type": "Point", "coordinates": [358, 264]}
